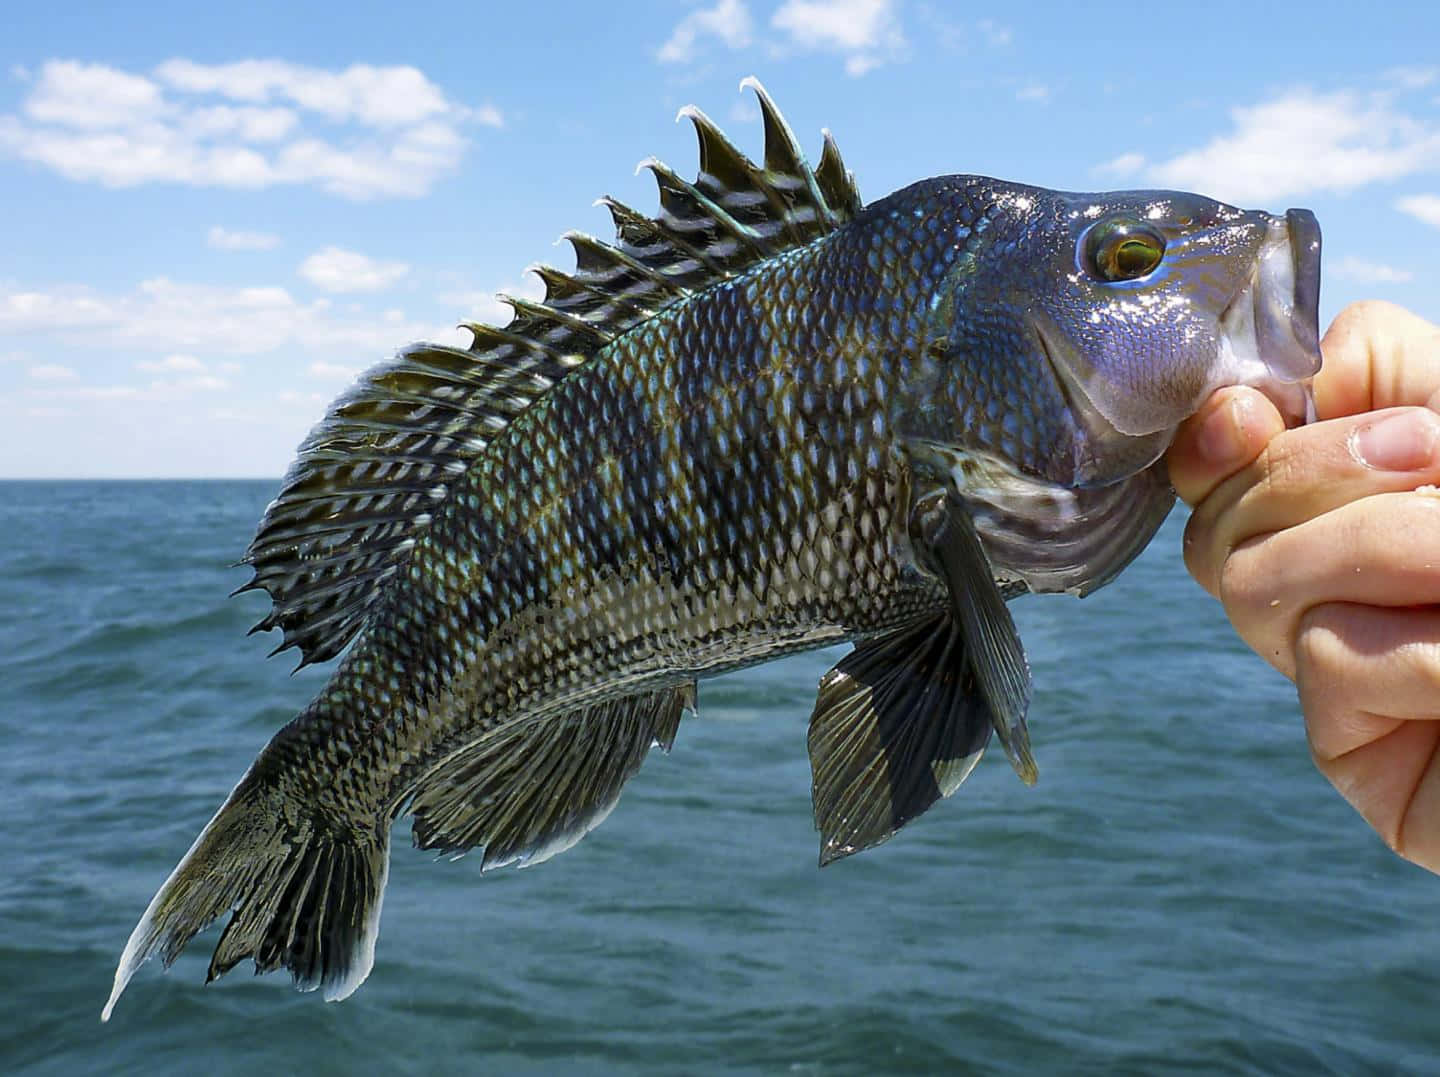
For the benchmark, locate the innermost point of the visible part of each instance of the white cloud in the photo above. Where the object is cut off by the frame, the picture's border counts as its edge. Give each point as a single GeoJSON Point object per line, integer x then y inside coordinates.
{"type": "Point", "coordinates": [1412, 78]}
{"type": "Point", "coordinates": [1300, 142]}
{"type": "Point", "coordinates": [159, 389]}
{"type": "Point", "coordinates": [14, 357]}
{"type": "Point", "coordinates": [373, 96]}
{"type": "Point", "coordinates": [728, 20]}
{"type": "Point", "coordinates": [866, 32]}
{"type": "Point", "coordinates": [1127, 164]}
{"type": "Point", "coordinates": [337, 270]}
{"type": "Point", "coordinates": [363, 132]}
{"type": "Point", "coordinates": [1424, 206]}
{"type": "Point", "coordinates": [247, 124]}
{"type": "Point", "coordinates": [43, 310]}
{"type": "Point", "coordinates": [1362, 269]}
{"type": "Point", "coordinates": [92, 97]}
{"type": "Point", "coordinates": [169, 317]}
{"type": "Point", "coordinates": [333, 371]}
{"type": "Point", "coordinates": [223, 239]}
{"type": "Point", "coordinates": [185, 364]}
{"type": "Point", "coordinates": [51, 372]}
{"type": "Point", "coordinates": [1035, 91]}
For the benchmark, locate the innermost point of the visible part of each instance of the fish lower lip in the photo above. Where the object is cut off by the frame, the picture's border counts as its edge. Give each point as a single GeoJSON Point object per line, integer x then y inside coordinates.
{"type": "Point", "coordinates": [1305, 254]}
{"type": "Point", "coordinates": [1287, 298]}
{"type": "Point", "coordinates": [1270, 331]}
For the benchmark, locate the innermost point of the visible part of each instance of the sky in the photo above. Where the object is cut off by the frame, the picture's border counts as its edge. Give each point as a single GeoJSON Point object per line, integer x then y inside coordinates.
{"type": "Point", "coordinates": [211, 221]}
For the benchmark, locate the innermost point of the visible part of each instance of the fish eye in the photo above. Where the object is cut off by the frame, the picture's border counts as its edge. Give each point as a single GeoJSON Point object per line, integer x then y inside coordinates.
{"type": "Point", "coordinates": [1122, 250]}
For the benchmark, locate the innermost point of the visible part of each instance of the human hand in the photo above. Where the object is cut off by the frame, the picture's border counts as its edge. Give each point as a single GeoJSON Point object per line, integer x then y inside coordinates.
{"type": "Point", "coordinates": [1323, 545]}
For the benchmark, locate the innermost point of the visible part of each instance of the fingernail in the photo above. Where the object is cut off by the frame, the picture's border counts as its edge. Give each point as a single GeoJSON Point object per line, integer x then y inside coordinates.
{"type": "Point", "coordinates": [1400, 442]}
{"type": "Point", "coordinates": [1220, 439]}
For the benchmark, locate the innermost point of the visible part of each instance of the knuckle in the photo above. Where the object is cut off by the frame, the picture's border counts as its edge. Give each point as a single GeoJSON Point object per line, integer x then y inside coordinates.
{"type": "Point", "coordinates": [1237, 583]}
{"type": "Point", "coordinates": [1361, 315]}
{"type": "Point", "coordinates": [1198, 551]}
{"type": "Point", "coordinates": [1318, 645]}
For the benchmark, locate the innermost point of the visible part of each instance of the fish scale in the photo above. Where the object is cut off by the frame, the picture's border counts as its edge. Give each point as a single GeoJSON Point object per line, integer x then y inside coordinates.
{"type": "Point", "coordinates": [686, 385]}
{"type": "Point", "coordinates": [766, 420]}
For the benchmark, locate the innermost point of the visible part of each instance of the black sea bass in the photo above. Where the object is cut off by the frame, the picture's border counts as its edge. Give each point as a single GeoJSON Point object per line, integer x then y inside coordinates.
{"type": "Point", "coordinates": [767, 420]}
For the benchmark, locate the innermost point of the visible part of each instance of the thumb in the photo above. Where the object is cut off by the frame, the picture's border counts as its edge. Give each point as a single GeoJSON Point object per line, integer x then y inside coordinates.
{"type": "Point", "coordinates": [1226, 434]}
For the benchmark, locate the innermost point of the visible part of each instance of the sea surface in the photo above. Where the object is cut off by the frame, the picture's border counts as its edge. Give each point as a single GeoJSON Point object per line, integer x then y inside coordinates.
{"type": "Point", "coordinates": [1182, 892]}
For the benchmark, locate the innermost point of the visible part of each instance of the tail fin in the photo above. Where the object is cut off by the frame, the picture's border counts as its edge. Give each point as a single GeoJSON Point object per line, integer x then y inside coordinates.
{"type": "Point", "coordinates": [305, 890]}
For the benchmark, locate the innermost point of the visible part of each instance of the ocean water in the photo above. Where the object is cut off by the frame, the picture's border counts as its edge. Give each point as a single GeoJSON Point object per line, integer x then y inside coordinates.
{"type": "Point", "coordinates": [1180, 893]}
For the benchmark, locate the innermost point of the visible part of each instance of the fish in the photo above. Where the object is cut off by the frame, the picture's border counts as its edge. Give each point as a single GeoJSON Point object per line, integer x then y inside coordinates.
{"type": "Point", "coordinates": [768, 419]}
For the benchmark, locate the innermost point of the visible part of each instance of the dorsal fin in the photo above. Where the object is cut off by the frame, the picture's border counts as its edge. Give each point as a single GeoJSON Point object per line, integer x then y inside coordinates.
{"type": "Point", "coordinates": [368, 477]}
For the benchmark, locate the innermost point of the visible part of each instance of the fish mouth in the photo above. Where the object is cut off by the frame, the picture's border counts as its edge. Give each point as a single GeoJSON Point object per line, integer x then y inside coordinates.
{"type": "Point", "coordinates": [1270, 332]}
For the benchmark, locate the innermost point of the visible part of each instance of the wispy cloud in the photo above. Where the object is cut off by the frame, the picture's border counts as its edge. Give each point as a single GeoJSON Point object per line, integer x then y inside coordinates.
{"type": "Point", "coordinates": [336, 372]}
{"type": "Point", "coordinates": [361, 132]}
{"type": "Point", "coordinates": [995, 33]}
{"type": "Point", "coordinates": [866, 33]}
{"type": "Point", "coordinates": [337, 270]}
{"type": "Point", "coordinates": [729, 21]}
{"type": "Point", "coordinates": [222, 239]}
{"type": "Point", "coordinates": [1425, 207]}
{"type": "Point", "coordinates": [183, 364]}
{"type": "Point", "coordinates": [1365, 271]}
{"type": "Point", "coordinates": [1127, 164]}
{"type": "Point", "coordinates": [1299, 142]}
{"type": "Point", "coordinates": [167, 317]}
{"type": "Point", "coordinates": [474, 305]}
{"type": "Point", "coordinates": [51, 372]}
{"type": "Point", "coordinates": [1412, 78]}
{"type": "Point", "coordinates": [1036, 91]}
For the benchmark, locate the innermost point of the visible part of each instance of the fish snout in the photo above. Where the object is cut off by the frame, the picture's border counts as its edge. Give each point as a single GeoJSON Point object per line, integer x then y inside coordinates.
{"type": "Point", "coordinates": [1272, 327]}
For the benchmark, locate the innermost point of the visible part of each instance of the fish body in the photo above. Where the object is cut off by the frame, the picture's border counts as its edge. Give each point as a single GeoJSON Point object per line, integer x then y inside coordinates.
{"type": "Point", "coordinates": [767, 420]}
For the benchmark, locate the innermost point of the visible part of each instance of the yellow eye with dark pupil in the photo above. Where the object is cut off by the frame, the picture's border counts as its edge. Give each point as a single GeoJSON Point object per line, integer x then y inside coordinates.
{"type": "Point", "coordinates": [1128, 255]}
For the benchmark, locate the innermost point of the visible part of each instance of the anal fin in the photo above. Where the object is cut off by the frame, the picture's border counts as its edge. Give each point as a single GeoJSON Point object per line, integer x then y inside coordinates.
{"type": "Point", "coordinates": [532, 789]}
{"type": "Point", "coordinates": [899, 723]}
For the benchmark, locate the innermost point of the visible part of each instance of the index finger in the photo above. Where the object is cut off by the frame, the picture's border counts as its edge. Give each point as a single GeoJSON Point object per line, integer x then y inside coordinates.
{"type": "Point", "coordinates": [1377, 355]}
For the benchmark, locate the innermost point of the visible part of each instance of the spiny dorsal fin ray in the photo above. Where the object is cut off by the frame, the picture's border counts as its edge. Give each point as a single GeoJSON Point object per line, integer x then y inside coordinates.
{"type": "Point", "coordinates": [367, 480]}
{"type": "Point", "coordinates": [836, 182]}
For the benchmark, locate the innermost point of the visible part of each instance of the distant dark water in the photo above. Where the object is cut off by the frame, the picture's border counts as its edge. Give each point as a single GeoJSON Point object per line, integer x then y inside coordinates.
{"type": "Point", "coordinates": [1180, 893]}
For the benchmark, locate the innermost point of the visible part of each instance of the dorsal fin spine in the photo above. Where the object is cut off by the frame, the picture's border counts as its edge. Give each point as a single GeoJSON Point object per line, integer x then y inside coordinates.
{"type": "Point", "coordinates": [778, 137]}
{"type": "Point", "coordinates": [713, 143]}
{"type": "Point", "coordinates": [672, 185]}
{"type": "Point", "coordinates": [369, 477]}
{"type": "Point", "coordinates": [579, 239]}
{"type": "Point", "coordinates": [625, 217]}
{"type": "Point", "coordinates": [540, 313]}
{"type": "Point", "coordinates": [583, 291]}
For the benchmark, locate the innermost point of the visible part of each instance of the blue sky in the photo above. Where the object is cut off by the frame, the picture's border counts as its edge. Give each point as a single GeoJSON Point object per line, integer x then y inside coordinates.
{"type": "Point", "coordinates": [210, 221]}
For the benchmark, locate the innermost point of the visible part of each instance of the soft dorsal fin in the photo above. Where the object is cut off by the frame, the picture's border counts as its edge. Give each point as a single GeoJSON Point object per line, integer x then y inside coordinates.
{"type": "Point", "coordinates": [368, 477]}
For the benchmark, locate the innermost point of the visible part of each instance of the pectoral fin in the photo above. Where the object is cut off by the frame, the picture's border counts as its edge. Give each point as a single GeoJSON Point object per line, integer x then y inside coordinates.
{"type": "Point", "coordinates": [899, 723]}
{"type": "Point", "coordinates": [992, 645]}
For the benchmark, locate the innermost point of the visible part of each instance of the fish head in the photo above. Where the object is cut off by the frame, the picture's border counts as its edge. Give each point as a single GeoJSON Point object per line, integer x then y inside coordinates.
{"type": "Point", "coordinates": [1116, 314]}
